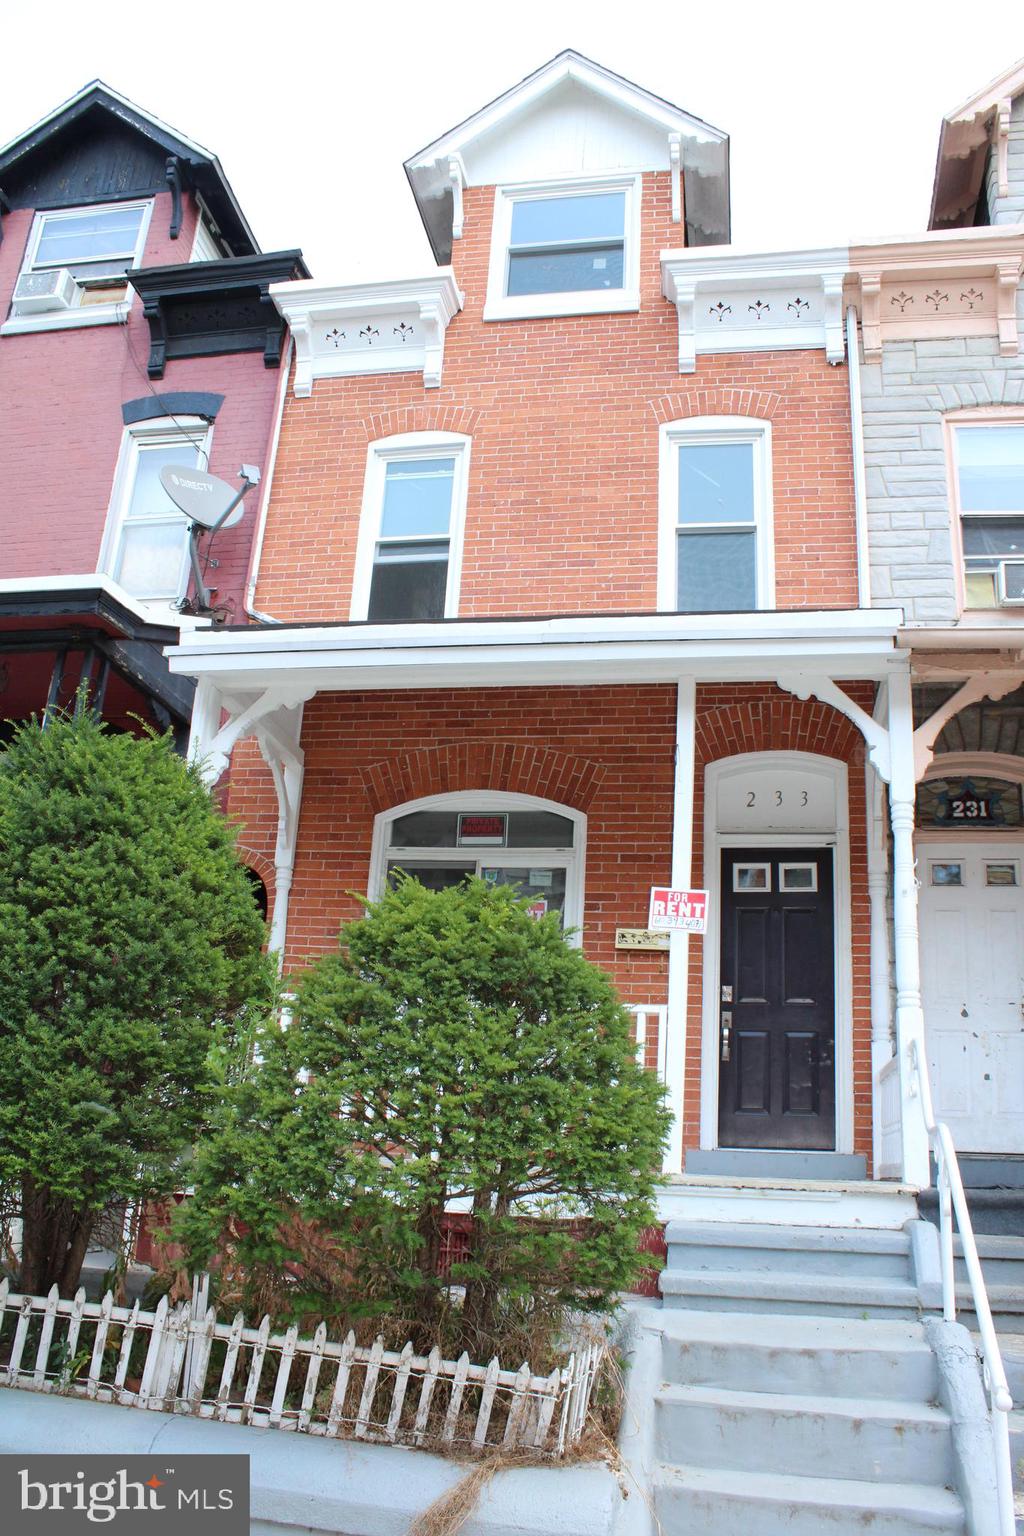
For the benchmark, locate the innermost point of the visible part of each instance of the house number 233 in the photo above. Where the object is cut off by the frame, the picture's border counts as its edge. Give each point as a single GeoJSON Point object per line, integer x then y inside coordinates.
{"type": "Point", "coordinates": [776, 797]}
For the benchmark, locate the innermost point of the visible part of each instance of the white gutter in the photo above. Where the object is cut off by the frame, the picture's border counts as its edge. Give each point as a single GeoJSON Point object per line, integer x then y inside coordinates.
{"type": "Point", "coordinates": [268, 481]}
{"type": "Point", "coordinates": [860, 504]}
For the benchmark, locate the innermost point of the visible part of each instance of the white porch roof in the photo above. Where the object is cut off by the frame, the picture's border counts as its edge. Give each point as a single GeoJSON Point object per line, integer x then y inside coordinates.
{"type": "Point", "coordinates": [465, 653]}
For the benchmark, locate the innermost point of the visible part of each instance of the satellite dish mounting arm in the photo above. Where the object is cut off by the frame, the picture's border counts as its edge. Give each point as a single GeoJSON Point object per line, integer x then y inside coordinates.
{"type": "Point", "coordinates": [201, 600]}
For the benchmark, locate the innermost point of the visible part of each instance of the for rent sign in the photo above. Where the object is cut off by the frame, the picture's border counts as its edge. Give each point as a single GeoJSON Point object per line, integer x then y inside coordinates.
{"type": "Point", "coordinates": [685, 911]}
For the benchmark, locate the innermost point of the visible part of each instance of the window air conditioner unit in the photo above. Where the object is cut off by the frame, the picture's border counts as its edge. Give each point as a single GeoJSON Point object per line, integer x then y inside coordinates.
{"type": "Point", "coordinates": [1011, 583]}
{"type": "Point", "coordinates": [35, 293]}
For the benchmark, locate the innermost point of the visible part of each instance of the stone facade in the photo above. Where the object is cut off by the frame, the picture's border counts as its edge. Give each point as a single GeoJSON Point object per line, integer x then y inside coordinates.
{"type": "Point", "coordinates": [913, 546]}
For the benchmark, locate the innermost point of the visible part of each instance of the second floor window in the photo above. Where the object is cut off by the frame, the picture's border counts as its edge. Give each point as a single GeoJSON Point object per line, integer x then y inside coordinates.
{"type": "Point", "coordinates": [989, 495]}
{"type": "Point", "coordinates": [715, 551]}
{"type": "Point", "coordinates": [410, 539]}
{"type": "Point", "coordinates": [146, 543]}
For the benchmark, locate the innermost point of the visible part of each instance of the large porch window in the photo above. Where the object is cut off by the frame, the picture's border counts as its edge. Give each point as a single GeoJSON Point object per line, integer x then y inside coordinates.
{"type": "Point", "coordinates": [533, 845]}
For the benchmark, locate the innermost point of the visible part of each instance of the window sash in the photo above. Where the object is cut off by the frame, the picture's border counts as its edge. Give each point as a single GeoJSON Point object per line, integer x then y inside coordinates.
{"type": "Point", "coordinates": [990, 468]}
{"type": "Point", "coordinates": [101, 252]}
{"type": "Point", "coordinates": [144, 516]}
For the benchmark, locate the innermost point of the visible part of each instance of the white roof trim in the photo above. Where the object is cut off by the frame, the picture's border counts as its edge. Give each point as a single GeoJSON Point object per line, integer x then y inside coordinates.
{"type": "Point", "coordinates": [416, 310]}
{"type": "Point", "coordinates": [567, 65]}
{"type": "Point", "coordinates": [1009, 84]}
{"type": "Point", "coordinates": [745, 301]}
{"type": "Point", "coordinates": [855, 643]}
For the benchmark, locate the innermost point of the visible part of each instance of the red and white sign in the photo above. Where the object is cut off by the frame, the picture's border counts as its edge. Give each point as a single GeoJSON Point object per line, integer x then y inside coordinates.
{"type": "Point", "coordinates": [684, 911]}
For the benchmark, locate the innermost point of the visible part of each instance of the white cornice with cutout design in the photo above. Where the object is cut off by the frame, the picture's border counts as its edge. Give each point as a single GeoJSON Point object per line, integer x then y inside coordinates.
{"type": "Point", "coordinates": [755, 301]}
{"type": "Point", "coordinates": [354, 329]}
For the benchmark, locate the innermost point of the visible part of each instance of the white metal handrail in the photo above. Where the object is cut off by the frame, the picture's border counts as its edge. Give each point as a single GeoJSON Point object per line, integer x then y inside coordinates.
{"type": "Point", "coordinates": [953, 1201]}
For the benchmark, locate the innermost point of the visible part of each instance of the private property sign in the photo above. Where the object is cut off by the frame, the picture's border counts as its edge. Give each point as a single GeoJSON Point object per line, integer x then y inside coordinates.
{"type": "Point", "coordinates": [684, 911]}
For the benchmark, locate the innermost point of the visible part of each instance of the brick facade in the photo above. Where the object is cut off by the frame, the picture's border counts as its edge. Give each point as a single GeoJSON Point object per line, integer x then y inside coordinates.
{"type": "Point", "coordinates": [563, 413]}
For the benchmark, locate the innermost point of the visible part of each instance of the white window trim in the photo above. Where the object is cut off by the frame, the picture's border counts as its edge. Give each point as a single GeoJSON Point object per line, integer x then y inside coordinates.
{"type": "Point", "coordinates": [113, 313]}
{"type": "Point", "coordinates": [573, 860]}
{"type": "Point", "coordinates": [600, 301]}
{"type": "Point", "coordinates": [715, 429]}
{"type": "Point", "coordinates": [149, 433]}
{"type": "Point", "coordinates": [410, 445]}
{"type": "Point", "coordinates": [973, 420]}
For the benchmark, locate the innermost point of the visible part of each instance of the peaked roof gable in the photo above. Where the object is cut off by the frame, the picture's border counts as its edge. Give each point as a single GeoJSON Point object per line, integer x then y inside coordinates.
{"type": "Point", "coordinates": [704, 149]}
{"type": "Point", "coordinates": [965, 138]}
{"type": "Point", "coordinates": [201, 168]}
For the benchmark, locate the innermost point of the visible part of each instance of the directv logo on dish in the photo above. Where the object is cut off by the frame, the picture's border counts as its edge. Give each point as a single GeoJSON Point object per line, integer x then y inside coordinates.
{"type": "Point", "coordinates": [76, 1493]}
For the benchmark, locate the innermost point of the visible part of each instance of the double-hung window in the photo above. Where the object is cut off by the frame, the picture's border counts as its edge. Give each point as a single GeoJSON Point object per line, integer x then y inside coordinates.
{"type": "Point", "coordinates": [715, 553]}
{"type": "Point", "coordinates": [410, 537]}
{"type": "Point", "coordinates": [564, 248]}
{"type": "Point", "coordinates": [92, 243]}
{"type": "Point", "coordinates": [988, 459]}
{"type": "Point", "coordinates": [145, 549]}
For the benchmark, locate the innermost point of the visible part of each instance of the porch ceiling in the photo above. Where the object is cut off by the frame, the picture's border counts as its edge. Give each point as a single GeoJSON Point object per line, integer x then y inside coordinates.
{"type": "Point", "coordinates": [572, 651]}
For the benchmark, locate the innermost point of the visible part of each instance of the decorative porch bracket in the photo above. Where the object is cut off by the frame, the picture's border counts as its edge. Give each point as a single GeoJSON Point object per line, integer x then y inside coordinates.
{"type": "Point", "coordinates": [891, 751]}
{"type": "Point", "coordinates": [804, 686]}
{"type": "Point", "coordinates": [275, 720]}
{"type": "Point", "coordinates": [983, 685]}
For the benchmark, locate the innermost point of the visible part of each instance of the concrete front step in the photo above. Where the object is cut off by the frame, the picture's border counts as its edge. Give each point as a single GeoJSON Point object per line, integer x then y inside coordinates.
{"type": "Point", "coordinates": [785, 1291]}
{"type": "Point", "coordinates": [805, 1355]}
{"type": "Point", "coordinates": [1006, 1303]}
{"type": "Point", "coordinates": [787, 1433]}
{"type": "Point", "coordinates": [1002, 1260]}
{"type": "Point", "coordinates": [701, 1246]}
{"type": "Point", "coordinates": [697, 1501]}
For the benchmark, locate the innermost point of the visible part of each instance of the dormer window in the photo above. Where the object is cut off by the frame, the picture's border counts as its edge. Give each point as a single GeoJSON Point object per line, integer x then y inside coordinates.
{"type": "Point", "coordinates": [565, 248]}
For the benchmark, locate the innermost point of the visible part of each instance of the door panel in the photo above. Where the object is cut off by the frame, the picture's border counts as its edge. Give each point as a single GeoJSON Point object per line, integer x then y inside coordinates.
{"type": "Point", "coordinates": [972, 984]}
{"type": "Point", "coordinates": [777, 1088]}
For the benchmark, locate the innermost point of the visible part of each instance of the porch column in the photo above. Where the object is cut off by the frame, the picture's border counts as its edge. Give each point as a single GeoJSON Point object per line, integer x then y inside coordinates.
{"type": "Point", "coordinates": [878, 892]}
{"type": "Point", "coordinates": [678, 944]}
{"type": "Point", "coordinates": [909, 1012]}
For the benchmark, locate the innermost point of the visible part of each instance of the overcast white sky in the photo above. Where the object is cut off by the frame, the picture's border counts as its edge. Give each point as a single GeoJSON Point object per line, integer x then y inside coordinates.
{"type": "Point", "coordinates": [833, 110]}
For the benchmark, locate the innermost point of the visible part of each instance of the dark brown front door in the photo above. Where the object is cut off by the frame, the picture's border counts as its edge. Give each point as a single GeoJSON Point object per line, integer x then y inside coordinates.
{"type": "Point", "coordinates": [777, 1066]}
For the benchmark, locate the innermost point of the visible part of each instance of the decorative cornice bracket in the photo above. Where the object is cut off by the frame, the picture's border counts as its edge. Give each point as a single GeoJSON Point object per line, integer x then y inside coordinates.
{"type": "Point", "coordinates": [675, 163]}
{"type": "Point", "coordinates": [249, 721]}
{"type": "Point", "coordinates": [457, 180]}
{"type": "Point", "coordinates": [1003, 112]}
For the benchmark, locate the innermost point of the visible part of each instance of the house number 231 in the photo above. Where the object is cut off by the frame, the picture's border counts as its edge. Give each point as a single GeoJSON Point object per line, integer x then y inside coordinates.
{"type": "Point", "coordinates": [776, 795]}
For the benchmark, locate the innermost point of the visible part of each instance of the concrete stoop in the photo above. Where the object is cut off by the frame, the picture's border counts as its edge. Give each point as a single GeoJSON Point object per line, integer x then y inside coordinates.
{"type": "Point", "coordinates": [786, 1426]}
{"type": "Point", "coordinates": [827, 1271]}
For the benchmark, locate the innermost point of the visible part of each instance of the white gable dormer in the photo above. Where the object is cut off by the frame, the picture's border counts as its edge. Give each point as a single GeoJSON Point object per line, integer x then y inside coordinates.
{"type": "Point", "coordinates": [568, 123]}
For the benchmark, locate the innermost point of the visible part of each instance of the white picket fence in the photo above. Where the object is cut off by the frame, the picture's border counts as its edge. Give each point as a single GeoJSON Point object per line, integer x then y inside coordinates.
{"type": "Point", "coordinates": [193, 1364]}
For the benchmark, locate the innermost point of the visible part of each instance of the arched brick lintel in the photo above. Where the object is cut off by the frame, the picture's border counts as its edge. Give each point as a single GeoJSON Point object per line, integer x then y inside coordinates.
{"type": "Point", "coordinates": [512, 767]}
{"type": "Point", "coordinates": [719, 401]}
{"type": "Point", "coordinates": [779, 723]}
{"type": "Point", "coordinates": [419, 418]}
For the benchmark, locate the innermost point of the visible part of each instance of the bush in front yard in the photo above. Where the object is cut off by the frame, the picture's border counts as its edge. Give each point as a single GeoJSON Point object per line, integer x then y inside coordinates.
{"type": "Point", "coordinates": [128, 938]}
{"type": "Point", "coordinates": [453, 1049]}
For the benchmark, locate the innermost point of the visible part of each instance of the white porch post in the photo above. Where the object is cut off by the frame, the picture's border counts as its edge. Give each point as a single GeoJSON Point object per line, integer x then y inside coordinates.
{"type": "Point", "coordinates": [279, 743]}
{"type": "Point", "coordinates": [878, 891]}
{"type": "Point", "coordinates": [206, 713]}
{"type": "Point", "coordinates": [909, 1012]}
{"type": "Point", "coordinates": [678, 949]}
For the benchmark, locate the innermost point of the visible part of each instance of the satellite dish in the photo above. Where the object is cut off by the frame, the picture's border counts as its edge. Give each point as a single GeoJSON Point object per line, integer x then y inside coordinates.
{"type": "Point", "coordinates": [203, 498]}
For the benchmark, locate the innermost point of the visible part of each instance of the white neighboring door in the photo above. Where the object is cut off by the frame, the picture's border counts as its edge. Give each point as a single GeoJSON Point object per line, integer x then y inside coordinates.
{"type": "Point", "coordinates": [972, 954]}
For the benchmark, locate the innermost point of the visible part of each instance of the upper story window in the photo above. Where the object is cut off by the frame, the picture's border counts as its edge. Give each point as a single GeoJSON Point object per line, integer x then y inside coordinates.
{"type": "Point", "coordinates": [988, 460]}
{"type": "Point", "coordinates": [410, 538]}
{"type": "Point", "coordinates": [715, 541]}
{"type": "Point", "coordinates": [91, 243]}
{"type": "Point", "coordinates": [145, 547]}
{"type": "Point", "coordinates": [564, 248]}
{"type": "Point", "coordinates": [73, 272]}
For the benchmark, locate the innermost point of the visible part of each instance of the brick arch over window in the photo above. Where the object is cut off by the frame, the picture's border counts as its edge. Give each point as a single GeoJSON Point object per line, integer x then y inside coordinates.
{"type": "Point", "coordinates": [260, 865]}
{"type": "Point", "coordinates": [500, 766]}
{"type": "Point", "coordinates": [419, 418]}
{"type": "Point", "coordinates": [760, 403]}
{"type": "Point", "coordinates": [751, 718]}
